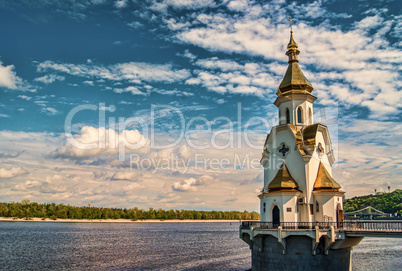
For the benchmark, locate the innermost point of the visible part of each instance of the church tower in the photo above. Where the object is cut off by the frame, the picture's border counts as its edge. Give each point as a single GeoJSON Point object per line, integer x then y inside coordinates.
{"type": "Point", "coordinates": [301, 223]}
{"type": "Point", "coordinates": [298, 156]}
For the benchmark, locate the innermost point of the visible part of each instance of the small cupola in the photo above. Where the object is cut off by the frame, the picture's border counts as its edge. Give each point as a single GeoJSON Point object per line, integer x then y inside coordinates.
{"type": "Point", "coordinates": [295, 101]}
{"type": "Point", "coordinates": [294, 80]}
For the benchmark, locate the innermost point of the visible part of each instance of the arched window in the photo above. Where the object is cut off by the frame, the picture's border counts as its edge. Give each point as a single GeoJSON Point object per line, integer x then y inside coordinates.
{"type": "Point", "coordinates": [287, 115]}
{"type": "Point", "coordinates": [317, 207]}
{"type": "Point", "coordinates": [310, 116]}
{"type": "Point", "coordinates": [299, 115]}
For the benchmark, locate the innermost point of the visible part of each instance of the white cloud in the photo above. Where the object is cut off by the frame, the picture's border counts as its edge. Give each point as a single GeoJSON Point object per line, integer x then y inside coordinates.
{"type": "Point", "coordinates": [238, 5]}
{"type": "Point", "coordinates": [181, 4]}
{"type": "Point", "coordinates": [185, 185]}
{"type": "Point", "coordinates": [364, 61]}
{"type": "Point", "coordinates": [223, 65]}
{"type": "Point", "coordinates": [27, 186]}
{"type": "Point", "coordinates": [364, 162]}
{"type": "Point", "coordinates": [24, 97]}
{"type": "Point", "coordinates": [11, 173]}
{"type": "Point", "coordinates": [133, 71]}
{"type": "Point", "coordinates": [373, 127]}
{"type": "Point", "coordinates": [135, 25]}
{"type": "Point", "coordinates": [229, 76]}
{"type": "Point", "coordinates": [120, 3]}
{"type": "Point", "coordinates": [93, 142]}
{"type": "Point", "coordinates": [125, 176]}
{"type": "Point", "coordinates": [188, 55]}
{"type": "Point", "coordinates": [222, 33]}
{"type": "Point", "coordinates": [49, 110]}
{"type": "Point", "coordinates": [131, 89]}
{"type": "Point", "coordinates": [138, 73]}
{"type": "Point", "coordinates": [10, 80]}
{"type": "Point", "coordinates": [204, 180]}
{"type": "Point", "coordinates": [172, 24]}
{"type": "Point", "coordinates": [150, 72]}
{"type": "Point", "coordinates": [368, 155]}
{"type": "Point", "coordinates": [50, 78]}
{"type": "Point", "coordinates": [191, 183]}
{"type": "Point", "coordinates": [193, 81]}
{"type": "Point", "coordinates": [53, 185]}
{"type": "Point", "coordinates": [4, 116]}
{"type": "Point", "coordinates": [379, 109]}
{"type": "Point", "coordinates": [8, 77]}
{"type": "Point", "coordinates": [370, 22]}
{"type": "Point", "coordinates": [90, 83]}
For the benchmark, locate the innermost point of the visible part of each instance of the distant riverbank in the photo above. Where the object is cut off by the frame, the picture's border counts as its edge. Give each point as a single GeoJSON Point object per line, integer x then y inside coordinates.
{"type": "Point", "coordinates": [53, 211]}
{"type": "Point", "coordinates": [37, 219]}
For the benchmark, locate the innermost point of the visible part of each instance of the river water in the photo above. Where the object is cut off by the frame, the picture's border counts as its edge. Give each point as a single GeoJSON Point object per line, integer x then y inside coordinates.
{"type": "Point", "coordinates": [150, 246]}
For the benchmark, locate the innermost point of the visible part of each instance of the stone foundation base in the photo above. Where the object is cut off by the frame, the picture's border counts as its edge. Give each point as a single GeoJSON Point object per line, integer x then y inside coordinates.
{"type": "Point", "coordinates": [298, 255]}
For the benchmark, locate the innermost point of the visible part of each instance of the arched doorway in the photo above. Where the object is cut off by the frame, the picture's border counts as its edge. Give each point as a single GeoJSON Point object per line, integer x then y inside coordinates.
{"type": "Point", "coordinates": [275, 217]}
{"type": "Point", "coordinates": [339, 216]}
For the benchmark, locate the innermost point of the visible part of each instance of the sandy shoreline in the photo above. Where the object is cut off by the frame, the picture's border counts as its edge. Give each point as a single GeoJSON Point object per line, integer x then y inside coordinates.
{"type": "Point", "coordinates": [37, 219]}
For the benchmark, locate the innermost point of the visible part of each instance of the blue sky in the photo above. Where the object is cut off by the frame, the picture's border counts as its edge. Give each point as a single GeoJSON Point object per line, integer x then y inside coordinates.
{"type": "Point", "coordinates": [200, 58]}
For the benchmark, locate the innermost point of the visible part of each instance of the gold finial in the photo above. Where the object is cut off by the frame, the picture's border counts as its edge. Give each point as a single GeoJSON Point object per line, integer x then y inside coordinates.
{"type": "Point", "coordinates": [292, 43]}
{"type": "Point", "coordinates": [291, 24]}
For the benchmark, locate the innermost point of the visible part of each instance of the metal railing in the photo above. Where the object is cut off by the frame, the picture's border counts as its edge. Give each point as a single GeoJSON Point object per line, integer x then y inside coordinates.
{"type": "Point", "coordinates": [380, 226]}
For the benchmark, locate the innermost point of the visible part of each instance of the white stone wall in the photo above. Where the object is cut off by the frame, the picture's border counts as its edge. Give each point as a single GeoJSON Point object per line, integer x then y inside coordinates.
{"type": "Point", "coordinates": [293, 158]}
{"type": "Point", "coordinates": [313, 164]}
{"type": "Point", "coordinates": [293, 105]}
{"type": "Point", "coordinates": [283, 201]}
{"type": "Point", "coordinates": [328, 203]}
{"type": "Point", "coordinates": [303, 173]}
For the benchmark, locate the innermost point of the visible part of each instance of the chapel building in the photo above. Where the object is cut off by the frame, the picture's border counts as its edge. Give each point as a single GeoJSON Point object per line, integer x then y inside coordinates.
{"type": "Point", "coordinates": [298, 157]}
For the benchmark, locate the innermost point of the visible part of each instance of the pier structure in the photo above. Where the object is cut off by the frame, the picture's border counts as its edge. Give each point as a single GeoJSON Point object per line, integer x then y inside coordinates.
{"type": "Point", "coordinates": [310, 245]}
{"type": "Point", "coordinates": [301, 206]}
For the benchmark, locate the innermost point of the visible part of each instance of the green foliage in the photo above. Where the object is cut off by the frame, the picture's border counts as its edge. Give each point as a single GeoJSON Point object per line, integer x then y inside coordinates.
{"type": "Point", "coordinates": [390, 203]}
{"type": "Point", "coordinates": [26, 209]}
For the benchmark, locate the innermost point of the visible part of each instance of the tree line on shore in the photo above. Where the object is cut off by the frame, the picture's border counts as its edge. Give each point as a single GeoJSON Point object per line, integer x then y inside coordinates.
{"type": "Point", "coordinates": [385, 202]}
{"type": "Point", "coordinates": [27, 210]}
{"type": "Point", "coordinates": [390, 203]}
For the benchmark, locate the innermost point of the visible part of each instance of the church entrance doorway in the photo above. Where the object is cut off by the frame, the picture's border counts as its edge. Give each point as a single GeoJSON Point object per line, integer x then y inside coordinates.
{"type": "Point", "coordinates": [275, 217]}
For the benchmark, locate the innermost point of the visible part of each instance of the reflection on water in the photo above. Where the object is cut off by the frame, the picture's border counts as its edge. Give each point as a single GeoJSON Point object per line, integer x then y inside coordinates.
{"type": "Point", "coordinates": [141, 246]}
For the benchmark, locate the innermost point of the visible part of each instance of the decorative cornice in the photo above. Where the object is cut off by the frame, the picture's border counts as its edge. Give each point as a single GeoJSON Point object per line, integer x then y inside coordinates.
{"type": "Point", "coordinates": [294, 97]}
{"type": "Point", "coordinates": [328, 193]}
{"type": "Point", "coordinates": [280, 193]}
